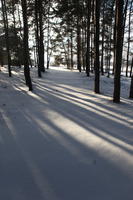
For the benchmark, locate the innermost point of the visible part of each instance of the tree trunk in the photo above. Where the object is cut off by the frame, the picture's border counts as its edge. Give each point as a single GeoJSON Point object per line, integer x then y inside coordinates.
{"type": "Point", "coordinates": [131, 87]}
{"type": "Point", "coordinates": [96, 61]}
{"type": "Point", "coordinates": [5, 19]}
{"type": "Point", "coordinates": [26, 46]}
{"type": "Point", "coordinates": [41, 42]}
{"type": "Point", "coordinates": [48, 36]}
{"type": "Point", "coordinates": [71, 49]}
{"type": "Point", "coordinates": [19, 21]}
{"type": "Point", "coordinates": [83, 44]}
{"type": "Point", "coordinates": [119, 45]}
{"type": "Point", "coordinates": [129, 37]}
{"type": "Point", "coordinates": [88, 38]}
{"type": "Point", "coordinates": [78, 38]}
{"type": "Point", "coordinates": [114, 45]}
{"type": "Point", "coordinates": [103, 32]}
{"type": "Point", "coordinates": [15, 33]}
{"type": "Point", "coordinates": [37, 37]}
{"type": "Point", "coordinates": [131, 70]}
{"type": "Point", "coordinates": [78, 45]}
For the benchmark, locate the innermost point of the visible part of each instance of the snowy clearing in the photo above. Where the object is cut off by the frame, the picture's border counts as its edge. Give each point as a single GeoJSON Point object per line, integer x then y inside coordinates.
{"type": "Point", "coordinates": [63, 142]}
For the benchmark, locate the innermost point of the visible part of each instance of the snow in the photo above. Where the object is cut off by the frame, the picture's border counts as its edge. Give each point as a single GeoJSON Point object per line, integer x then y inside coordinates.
{"type": "Point", "coordinates": [62, 141]}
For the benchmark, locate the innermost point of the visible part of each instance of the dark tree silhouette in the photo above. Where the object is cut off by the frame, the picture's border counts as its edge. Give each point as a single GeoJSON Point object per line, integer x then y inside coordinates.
{"type": "Point", "coordinates": [26, 46]}
{"type": "Point", "coordinates": [119, 46]}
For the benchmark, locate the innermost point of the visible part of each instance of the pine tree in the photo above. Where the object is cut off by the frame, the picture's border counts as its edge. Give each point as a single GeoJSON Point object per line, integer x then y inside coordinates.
{"type": "Point", "coordinates": [26, 46]}
{"type": "Point", "coordinates": [88, 38]}
{"type": "Point", "coordinates": [129, 38]}
{"type": "Point", "coordinates": [5, 20]}
{"type": "Point", "coordinates": [96, 61]}
{"type": "Point", "coordinates": [131, 86]}
{"type": "Point", "coordinates": [119, 45]}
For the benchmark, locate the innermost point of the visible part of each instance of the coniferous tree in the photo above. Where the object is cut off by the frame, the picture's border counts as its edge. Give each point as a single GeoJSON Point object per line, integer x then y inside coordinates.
{"type": "Point", "coordinates": [119, 45]}
{"type": "Point", "coordinates": [88, 38]}
{"type": "Point", "coordinates": [26, 46]}
{"type": "Point", "coordinates": [5, 20]}
{"type": "Point", "coordinates": [41, 38]}
{"type": "Point", "coordinates": [131, 86]}
{"type": "Point", "coordinates": [129, 38]}
{"type": "Point", "coordinates": [37, 36]}
{"type": "Point", "coordinates": [18, 42]}
{"type": "Point", "coordinates": [48, 34]}
{"type": "Point", "coordinates": [78, 37]}
{"type": "Point", "coordinates": [96, 61]}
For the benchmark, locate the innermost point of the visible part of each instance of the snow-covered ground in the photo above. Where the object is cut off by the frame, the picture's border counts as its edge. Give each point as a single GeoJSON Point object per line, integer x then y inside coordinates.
{"type": "Point", "coordinates": [62, 141]}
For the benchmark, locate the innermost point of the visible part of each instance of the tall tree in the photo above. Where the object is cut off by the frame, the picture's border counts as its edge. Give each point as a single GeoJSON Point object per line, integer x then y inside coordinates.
{"type": "Point", "coordinates": [41, 38]}
{"type": "Point", "coordinates": [5, 20]}
{"type": "Point", "coordinates": [15, 32]}
{"type": "Point", "coordinates": [96, 61]}
{"type": "Point", "coordinates": [26, 46]}
{"type": "Point", "coordinates": [48, 34]}
{"type": "Point", "coordinates": [131, 86]}
{"type": "Point", "coordinates": [129, 37]}
{"type": "Point", "coordinates": [119, 47]}
{"type": "Point", "coordinates": [37, 36]}
{"type": "Point", "coordinates": [78, 37]}
{"type": "Point", "coordinates": [88, 37]}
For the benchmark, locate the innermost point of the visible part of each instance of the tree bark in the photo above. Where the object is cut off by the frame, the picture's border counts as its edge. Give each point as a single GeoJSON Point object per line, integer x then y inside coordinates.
{"type": "Point", "coordinates": [5, 19]}
{"type": "Point", "coordinates": [96, 61]}
{"type": "Point", "coordinates": [37, 37]}
{"type": "Point", "coordinates": [78, 38]}
{"type": "Point", "coordinates": [131, 87]}
{"type": "Point", "coordinates": [26, 46]}
{"type": "Point", "coordinates": [71, 49]}
{"type": "Point", "coordinates": [15, 33]}
{"type": "Point", "coordinates": [119, 45]}
{"type": "Point", "coordinates": [41, 42]}
{"type": "Point", "coordinates": [129, 37]}
{"type": "Point", "coordinates": [78, 45]}
{"type": "Point", "coordinates": [48, 36]}
{"type": "Point", "coordinates": [88, 38]}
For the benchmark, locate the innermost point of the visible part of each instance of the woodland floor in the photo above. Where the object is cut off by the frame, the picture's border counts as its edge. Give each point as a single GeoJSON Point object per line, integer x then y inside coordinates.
{"type": "Point", "coordinates": [62, 141]}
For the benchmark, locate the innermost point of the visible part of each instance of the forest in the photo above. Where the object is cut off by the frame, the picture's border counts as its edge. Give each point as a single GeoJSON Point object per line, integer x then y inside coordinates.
{"type": "Point", "coordinates": [66, 105]}
{"type": "Point", "coordinates": [94, 36]}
